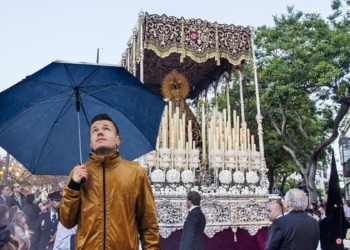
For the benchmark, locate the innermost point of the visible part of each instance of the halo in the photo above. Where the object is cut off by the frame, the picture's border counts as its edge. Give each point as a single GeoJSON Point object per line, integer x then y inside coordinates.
{"type": "Point", "coordinates": [175, 85]}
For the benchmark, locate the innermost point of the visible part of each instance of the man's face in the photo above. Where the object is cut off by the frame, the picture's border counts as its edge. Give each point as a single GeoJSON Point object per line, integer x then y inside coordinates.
{"type": "Point", "coordinates": [56, 204]}
{"type": "Point", "coordinates": [103, 137]}
{"type": "Point", "coordinates": [16, 188]}
{"type": "Point", "coordinates": [273, 210]}
{"type": "Point", "coordinates": [321, 210]}
{"type": "Point", "coordinates": [5, 192]}
{"type": "Point", "coordinates": [188, 204]}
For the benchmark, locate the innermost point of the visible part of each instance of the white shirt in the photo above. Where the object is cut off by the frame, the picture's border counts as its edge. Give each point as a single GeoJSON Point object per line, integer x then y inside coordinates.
{"type": "Point", "coordinates": [193, 207]}
{"type": "Point", "coordinates": [346, 211]}
{"type": "Point", "coordinates": [51, 215]}
{"type": "Point", "coordinates": [62, 241]}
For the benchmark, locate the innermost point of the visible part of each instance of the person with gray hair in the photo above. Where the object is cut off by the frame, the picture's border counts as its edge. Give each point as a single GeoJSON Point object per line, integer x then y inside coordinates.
{"type": "Point", "coordinates": [296, 230]}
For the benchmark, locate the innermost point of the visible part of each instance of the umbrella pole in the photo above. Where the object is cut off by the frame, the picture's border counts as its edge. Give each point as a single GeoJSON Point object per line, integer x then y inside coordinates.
{"type": "Point", "coordinates": [77, 105]}
{"type": "Point", "coordinates": [81, 160]}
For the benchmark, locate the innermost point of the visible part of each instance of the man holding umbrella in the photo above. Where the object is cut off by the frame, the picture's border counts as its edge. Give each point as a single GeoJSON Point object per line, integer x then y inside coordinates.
{"type": "Point", "coordinates": [116, 203]}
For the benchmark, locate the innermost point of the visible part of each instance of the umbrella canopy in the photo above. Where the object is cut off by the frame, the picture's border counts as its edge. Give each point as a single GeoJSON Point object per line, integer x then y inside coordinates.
{"type": "Point", "coordinates": [39, 123]}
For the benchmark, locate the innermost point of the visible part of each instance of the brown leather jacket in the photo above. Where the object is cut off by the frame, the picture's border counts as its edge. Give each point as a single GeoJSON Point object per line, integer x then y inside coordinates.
{"type": "Point", "coordinates": [112, 207]}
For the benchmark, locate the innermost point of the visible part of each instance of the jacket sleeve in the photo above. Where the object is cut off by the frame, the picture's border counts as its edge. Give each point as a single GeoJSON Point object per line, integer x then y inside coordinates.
{"type": "Point", "coordinates": [275, 237]}
{"type": "Point", "coordinates": [147, 216]}
{"type": "Point", "coordinates": [70, 203]}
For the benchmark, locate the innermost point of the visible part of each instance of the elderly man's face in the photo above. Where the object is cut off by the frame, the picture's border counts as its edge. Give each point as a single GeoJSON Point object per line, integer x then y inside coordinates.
{"type": "Point", "coordinates": [103, 137]}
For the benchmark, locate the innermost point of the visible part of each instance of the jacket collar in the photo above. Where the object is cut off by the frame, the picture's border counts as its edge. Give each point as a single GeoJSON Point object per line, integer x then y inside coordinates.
{"type": "Point", "coordinates": [109, 159]}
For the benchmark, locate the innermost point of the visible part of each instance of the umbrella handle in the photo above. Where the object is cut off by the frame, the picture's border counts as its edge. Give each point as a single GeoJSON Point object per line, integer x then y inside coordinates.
{"type": "Point", "coordinates": [83, 180]}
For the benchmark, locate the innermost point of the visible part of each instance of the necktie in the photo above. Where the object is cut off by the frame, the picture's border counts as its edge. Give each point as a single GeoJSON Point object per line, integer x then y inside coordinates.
{"type": "Point", "coordinates": [54, 220]}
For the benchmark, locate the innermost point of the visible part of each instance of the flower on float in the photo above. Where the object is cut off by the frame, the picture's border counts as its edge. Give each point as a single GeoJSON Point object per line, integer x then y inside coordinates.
{"type": "Point", "coordinates": [225, 177]}
{"type": "Point", "coordinates": [238, 177]}
{"type": "Point", "coordinates": [187, 176]}
{"type": "Point", "coordinates": [173, 175]}
{"type": "Point", "coordinates": [158, 176]}
{"type": "Point", "coordinates": [252, 177]}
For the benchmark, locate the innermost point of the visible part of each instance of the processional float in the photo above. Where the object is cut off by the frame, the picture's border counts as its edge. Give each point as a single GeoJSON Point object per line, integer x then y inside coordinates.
{"type": "Point", "coordinates": [210, 151]}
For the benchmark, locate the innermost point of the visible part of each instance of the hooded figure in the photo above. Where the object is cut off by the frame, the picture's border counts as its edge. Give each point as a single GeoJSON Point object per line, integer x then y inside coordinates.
{"type": "Point", "coordinates": [333, 228]}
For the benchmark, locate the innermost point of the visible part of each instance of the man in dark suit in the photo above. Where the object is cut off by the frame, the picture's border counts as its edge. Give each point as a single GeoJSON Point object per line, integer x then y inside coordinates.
{"type": "Point", "coordinates": [274, 211]}
{"type": "Point", "coordinates": [16, 198]}
{"type": "Point", "coordinates": [46, 224]}
{"type": "Point", "coordinates": [296, 230]}
{"type": "Point", "coordinates": [5, 193]}
{"type": "Point", "coordinates": [194, 224]}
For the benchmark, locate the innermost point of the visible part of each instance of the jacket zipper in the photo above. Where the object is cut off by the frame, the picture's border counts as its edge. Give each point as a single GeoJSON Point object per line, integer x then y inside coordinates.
{"type": "Point", "coordinates": [104, 205]}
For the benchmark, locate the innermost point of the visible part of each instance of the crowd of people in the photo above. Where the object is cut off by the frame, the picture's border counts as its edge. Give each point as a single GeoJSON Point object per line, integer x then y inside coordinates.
{"type": "Point", "coordinates": [297, 225]}
{"type": "Point", "coordinates": [29, 223]}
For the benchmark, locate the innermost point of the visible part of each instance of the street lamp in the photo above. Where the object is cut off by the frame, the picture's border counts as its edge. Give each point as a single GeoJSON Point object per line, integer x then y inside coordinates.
{"type": "Point", "coordinates": [98, 55]}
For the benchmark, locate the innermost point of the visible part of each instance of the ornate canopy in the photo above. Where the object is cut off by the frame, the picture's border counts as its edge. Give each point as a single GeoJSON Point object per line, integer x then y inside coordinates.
{"type": "Point", "coordinates": [200, 50]}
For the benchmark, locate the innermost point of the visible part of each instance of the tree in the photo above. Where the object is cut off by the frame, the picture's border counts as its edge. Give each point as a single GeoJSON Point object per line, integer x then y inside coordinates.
{"type": "Point", "coordinates": [304, 63]}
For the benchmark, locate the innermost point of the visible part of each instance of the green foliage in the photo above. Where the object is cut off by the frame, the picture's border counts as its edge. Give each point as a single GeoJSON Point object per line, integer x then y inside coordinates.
{"type": "Point", "coordinates": [320, 192]}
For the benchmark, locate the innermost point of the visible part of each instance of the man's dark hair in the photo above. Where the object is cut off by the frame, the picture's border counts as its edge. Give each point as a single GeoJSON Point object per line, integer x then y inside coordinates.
{"type": "Point", "coordinates": [322, 206]}
{"type": "Point", "coordinates": [194, 197]}
{"type": "Point", "coordinates": [104, 117]}
{"type": "Point", "coordinates": [2, 187]}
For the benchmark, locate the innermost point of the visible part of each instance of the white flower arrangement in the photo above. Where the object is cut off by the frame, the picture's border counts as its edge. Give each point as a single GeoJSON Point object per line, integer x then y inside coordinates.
{"type": "Point", "coordinates": [225, 177]}
{"type": "Point", "coordinates": [238, 177]}
{"type": "Point", "coordinates": [158, 176]}
{"type": "Point", "coordinates": [173, 176]}
{"type": "Point", "coordinates": [187, 176]}
{"type": "Point", "coordinates": [252, 177]}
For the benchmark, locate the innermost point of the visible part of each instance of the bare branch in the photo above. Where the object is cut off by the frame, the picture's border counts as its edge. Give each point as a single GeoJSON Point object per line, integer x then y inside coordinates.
{"type": "Point", "coordinates": [302, 131]}
{"type": "Point", "coordinates": [282, 132]}
{"type": "Point", "coordinates": [295, 159]}
{"type": "Point", "coordinates": [344, 107]}
{"type": "Point", "coordinates": [283, 113]}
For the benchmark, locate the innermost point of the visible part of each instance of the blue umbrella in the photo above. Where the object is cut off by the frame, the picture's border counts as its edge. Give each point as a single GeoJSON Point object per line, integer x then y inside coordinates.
{"type": "Point", "coordinates": [45, 118]}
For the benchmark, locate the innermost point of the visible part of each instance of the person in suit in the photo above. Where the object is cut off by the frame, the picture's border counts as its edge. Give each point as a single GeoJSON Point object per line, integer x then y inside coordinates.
{"type": "Point", "coordinates": [32, 211]}
{"type": "Point", "coordinates": [46, 225]}
{"type": "Point", "coordinates": [5, 193]}
{"type": "Point", "coordinates": [296, 230]}
{"type": "Point", "coordinates": [274, 211]}
{"type": "Point", "coordinates": [16, 198]}
{"type": "Point", "coordinates": [194, 224]}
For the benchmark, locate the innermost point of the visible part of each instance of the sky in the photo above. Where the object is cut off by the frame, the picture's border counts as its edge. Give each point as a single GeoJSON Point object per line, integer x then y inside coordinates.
{"type": "Point", "coordinates": [34, 33]}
